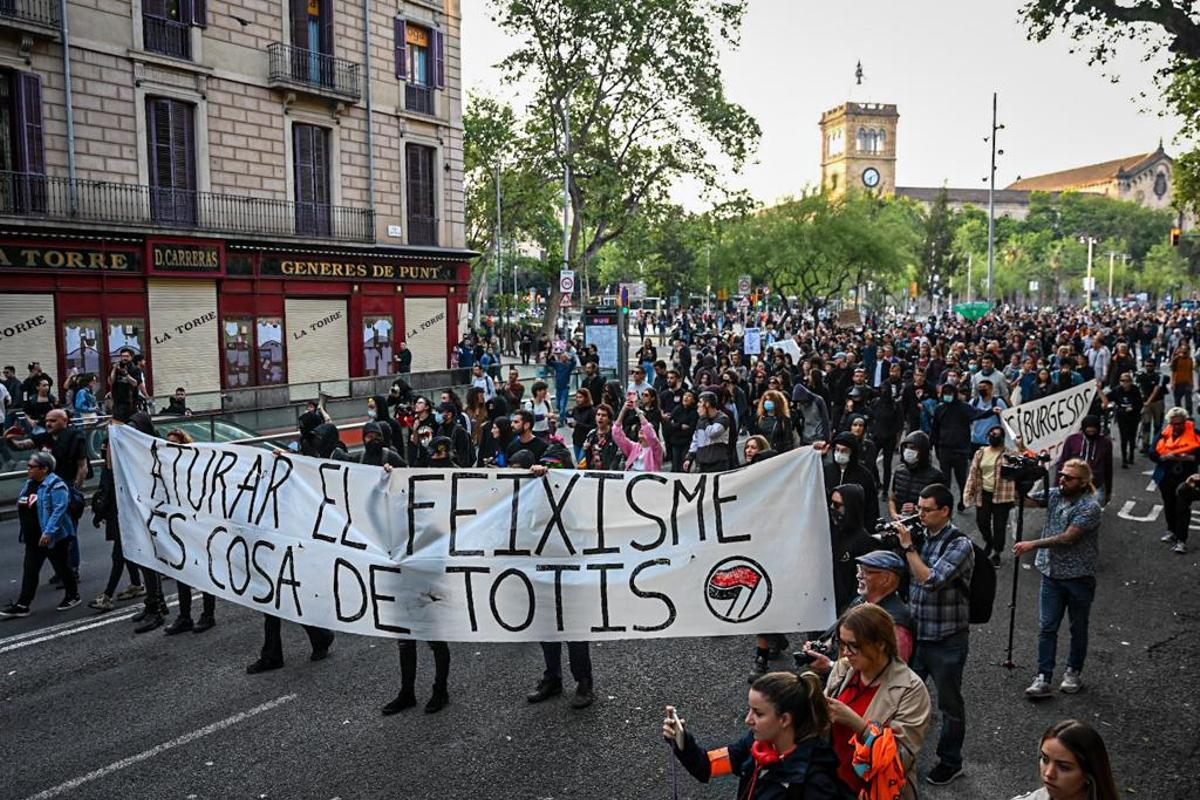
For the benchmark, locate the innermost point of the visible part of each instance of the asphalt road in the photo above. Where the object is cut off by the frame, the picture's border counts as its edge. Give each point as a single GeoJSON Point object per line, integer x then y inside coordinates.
{"type": "Point", "coordinates": [93, 711]}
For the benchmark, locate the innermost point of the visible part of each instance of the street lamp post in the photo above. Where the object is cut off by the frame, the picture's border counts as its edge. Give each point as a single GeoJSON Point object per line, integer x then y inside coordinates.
{"type": "Point", "coordinates": [991, 269]}
{"type": "Point", "coordinates": [1088, 284]}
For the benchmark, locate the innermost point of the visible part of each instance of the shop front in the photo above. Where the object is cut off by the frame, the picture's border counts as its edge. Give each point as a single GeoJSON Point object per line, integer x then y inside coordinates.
{"type": "Point", "coordinates": [213, 314]}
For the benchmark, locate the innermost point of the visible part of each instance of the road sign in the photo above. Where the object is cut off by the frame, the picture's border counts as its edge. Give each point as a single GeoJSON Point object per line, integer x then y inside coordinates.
{"type": "Point", "coordinates": [1033, 286]}
{"type": "Point", "coordinates": [743, 304]}
{"type": "Point", "coordinates": [1089, 284]}
{"type": "Point", "coordinates": [566, 300]}
{"type": "Point", "coordinates": [744, 284]}
{"type": "Point", "coordinates": [566, 281]}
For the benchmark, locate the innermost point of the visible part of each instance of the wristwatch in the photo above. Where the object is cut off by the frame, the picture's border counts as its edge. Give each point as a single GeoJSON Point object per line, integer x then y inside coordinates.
{"type": "Point", "coordinates": [910, 549]}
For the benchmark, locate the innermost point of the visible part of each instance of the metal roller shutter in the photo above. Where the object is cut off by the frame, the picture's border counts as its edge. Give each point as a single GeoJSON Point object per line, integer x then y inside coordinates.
{"type": "Point", "coordinates": [425, 318]}
{"type": "Point", "coordinates": [462, 322]}
{"type": "Point", "coordinates": [184, 344]}
{"type": "Point", "coordinates": [318, 346]}
{"type": "Point", "coordinates": [27, 333]}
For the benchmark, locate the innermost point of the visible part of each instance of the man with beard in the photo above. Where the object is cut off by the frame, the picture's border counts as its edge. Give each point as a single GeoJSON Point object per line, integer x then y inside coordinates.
{"type": "Point", "coordinates": [593, 382]}
{"type": "Point", "coordinates": [1096, 449]}
{"type": "Point", "coordinates": [600, 449]}
{"type": "Point", "coordinates": [1067, 553]}
{"type": "Point", "coordinates": [523, 437]}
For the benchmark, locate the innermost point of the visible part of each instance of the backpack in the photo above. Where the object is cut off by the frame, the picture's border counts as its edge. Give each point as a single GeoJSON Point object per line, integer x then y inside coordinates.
{"type": "Point", "coordinates": [981, 591]}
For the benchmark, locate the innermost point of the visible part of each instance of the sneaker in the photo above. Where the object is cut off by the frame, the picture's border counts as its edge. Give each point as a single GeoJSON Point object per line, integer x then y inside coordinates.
{"type": "Point", "coordinates": [995, 559]}
{"type": "Point", "coordinates": [179, 625]}
{"type": "Point", "coordinates": [759, 669]}
{"type": "Point", "coordinates": [942, 774]}
{"type": "Point", "coordinates": [437, 702]}
{"type": "Point", "coordinates": [131, 591]}
{"type": "Point", "coordinates": [1072, 681]}
{"type": "Point", "coordinates": [14, 610]}
{"type": "Point", "coordinates": [583, 695]}
{"type": "Point", "coordinates": [1179, 548]}
{"type": "Point", "coordinates": [402, 701]}
{"type": "Point", "coordinates": [1039, 688]}
{"type": "Point", "coordinates": [102, 603]}
{"type": "Point", "coordinates": [546, 688]}
{"type": "Point", "coordinates": [1167, 537]}
{"type": "Point", "coordinates": [69, 603]}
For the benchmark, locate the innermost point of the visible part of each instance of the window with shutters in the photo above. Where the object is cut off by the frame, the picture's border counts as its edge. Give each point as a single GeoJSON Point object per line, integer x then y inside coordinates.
{"type": "Point", "coordinates": [420, 63]}
{"type": "Point", "coordinates": [22, 150]}
{"type": "Point", "coordinates": [419, 193]}
{"type": "Point", "coordinates": [167, 25]}
{"type": "Point", "coordinates": [253, 351]}
{"type": "Point", "coordinates": [172, 160]}
{"type": "Point", "coordinates": [310, 156]}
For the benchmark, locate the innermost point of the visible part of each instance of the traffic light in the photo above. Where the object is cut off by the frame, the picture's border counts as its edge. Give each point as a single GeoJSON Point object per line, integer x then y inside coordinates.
{"type": "Point", "coordinates": [1175, 234]}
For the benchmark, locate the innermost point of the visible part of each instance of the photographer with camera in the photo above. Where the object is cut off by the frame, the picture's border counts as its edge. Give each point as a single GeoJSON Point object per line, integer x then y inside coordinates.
{"type": "Point", "coordinates": [939, 598]}
{"type": "Point", "coordinates": [124, 382]}
{"type": "Point", "coordinates": [1067, 552]}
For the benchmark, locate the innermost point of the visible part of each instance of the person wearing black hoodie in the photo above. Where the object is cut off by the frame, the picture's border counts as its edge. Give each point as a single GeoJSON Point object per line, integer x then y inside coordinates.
{"type": "Point", "coordinates": [916, 471]}
{"type": "Point", "coordinates": [844, 467]}
{"type": "Point", "coordinates": [376, 451]}
{"type": "Point", "coordinates": [847, 504]}
{"type": "Point", "coordinates": [887, 423]}
{"type": "Point", "coordinates": [951, 435]}
{"type": "Point", "coordinates": [449, 426]}
{"type": "Point", "coordinates": [377, 410]}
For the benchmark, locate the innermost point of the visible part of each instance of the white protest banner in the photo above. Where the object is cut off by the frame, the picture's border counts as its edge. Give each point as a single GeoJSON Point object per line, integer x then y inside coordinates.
{"type": "Point", "coordinates": [482, 555]}
{"type": "Point", "coordinates": [1044, 424]}
{"type": "Point", "coordinates": [789, 346]}
{"type": "Point", "coordinates": [752, 342]}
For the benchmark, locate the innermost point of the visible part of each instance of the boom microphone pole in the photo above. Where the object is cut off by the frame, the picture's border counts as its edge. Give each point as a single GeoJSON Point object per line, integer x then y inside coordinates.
{"type": "Point", "coordinates": [1008, 662]}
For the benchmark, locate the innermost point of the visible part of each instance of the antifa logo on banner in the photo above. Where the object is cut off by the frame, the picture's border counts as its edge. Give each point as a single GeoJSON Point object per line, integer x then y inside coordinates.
{"type": "Point", "coordinates": [744, 583]}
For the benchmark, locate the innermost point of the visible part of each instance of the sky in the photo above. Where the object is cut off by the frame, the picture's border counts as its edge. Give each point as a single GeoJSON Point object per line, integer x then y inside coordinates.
{"type": "Point", "coordinates": [938, 60]}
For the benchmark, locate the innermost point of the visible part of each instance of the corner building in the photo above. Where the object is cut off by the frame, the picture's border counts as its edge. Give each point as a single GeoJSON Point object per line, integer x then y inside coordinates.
{"type": "Point", "coordinates": [250, 194]}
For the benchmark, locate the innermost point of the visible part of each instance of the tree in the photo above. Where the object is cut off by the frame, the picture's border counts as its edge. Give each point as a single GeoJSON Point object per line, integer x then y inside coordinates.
{"type": "Point", "coordinates": [816, 248]}
{"type": "Point", "coordinates": [938, 257]}
{"type": "Point", "coordinates": [527, 213]}
{"type": "Point", "coordinates": [1169, 26]}
{"type": "Point", "coordinates": [639, 89]}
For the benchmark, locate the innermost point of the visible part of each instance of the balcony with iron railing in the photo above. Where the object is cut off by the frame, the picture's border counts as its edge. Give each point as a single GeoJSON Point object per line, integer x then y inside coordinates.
{"type": "Point", "coordinates": [422, 230]}
{"type": "Point", "coordinates": [312, 72]}
{"type": "Point", "coordinates": [132, 205]}
{"type": "Point", "coordinates": [418, 98]}
{"type": "Point", "coordinates": [166, 37]}
{"type": "Point", "coordinates": [32, 16]}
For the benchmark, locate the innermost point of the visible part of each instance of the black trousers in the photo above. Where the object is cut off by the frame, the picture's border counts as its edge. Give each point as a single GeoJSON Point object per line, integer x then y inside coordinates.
{"type": "Point", "coordinates": [408, 665]}
{"type": "Point", "coordinates": [185, 601]}
{"type": "Point", "coordinates": [678, 454]}
{"type": "Point", "coordinates": [272, 649]}
{"type": "Point", "coordinates": [1184, 497]}
{"type": "Point", "coordinates": [58, 555]}
{"type": "Point", "coordinates": [119, 565]}
{"type": "Point", "coordinates": [578, 655]}
{"type": "Point", "coordinates": [953, 463]}
{"type": "Point", "coordinates": [887, 449]}
{"type": "Point", "coordinates": [1127, 425]}
{"type": "Point", "coordinates": [154, 591]}
{"type": "Point", "coordinates": [992, 519]}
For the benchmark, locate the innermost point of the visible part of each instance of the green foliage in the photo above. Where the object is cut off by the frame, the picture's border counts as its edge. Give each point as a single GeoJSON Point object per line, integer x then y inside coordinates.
{"type": "Point", "coordinates": [642, 87]}
{"type": "Point", "coordinates": [1154, 26]}
{"type": "Point", "coordinates": [938, 256]}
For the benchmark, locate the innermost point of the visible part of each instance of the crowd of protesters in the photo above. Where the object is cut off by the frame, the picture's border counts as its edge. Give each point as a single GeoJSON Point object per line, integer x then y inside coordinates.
{"type": "Point", "coordinates": [902, 410]}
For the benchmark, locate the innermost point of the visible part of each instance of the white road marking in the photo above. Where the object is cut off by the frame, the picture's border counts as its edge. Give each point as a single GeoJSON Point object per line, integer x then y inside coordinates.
{"type": "Point", "coordinates": [52, 632]}
{"type": "Point", "coordinates": [116, 766]}
{"type": "Point", "coordinates": [1126, 512]}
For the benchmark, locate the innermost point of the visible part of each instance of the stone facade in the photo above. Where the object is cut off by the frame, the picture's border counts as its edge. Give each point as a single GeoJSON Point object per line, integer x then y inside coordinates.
{"type": "Point", "coordinates": [855, 138]}
{"type": "Point", "coordinates": [243, 124]}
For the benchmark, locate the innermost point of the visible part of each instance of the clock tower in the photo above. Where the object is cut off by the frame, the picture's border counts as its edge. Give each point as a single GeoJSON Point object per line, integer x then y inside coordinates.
{"type": "Point", "coordinates": [858, 148]}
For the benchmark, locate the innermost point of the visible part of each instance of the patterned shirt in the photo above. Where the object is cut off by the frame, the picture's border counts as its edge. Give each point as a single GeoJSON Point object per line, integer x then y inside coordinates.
{"type": "Point", "coordinates": [941, 604]}
{"type": "Point", "coordinates": [1076, 560]}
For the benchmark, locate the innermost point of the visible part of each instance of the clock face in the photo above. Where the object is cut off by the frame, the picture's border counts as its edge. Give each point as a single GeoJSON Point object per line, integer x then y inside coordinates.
{"type": "Point", "coordinates": [870, 177]}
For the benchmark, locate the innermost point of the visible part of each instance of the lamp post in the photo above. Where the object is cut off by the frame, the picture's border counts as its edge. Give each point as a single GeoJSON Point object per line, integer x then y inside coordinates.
{"type": "Point", "coordinates": [991, 179]}
{"type": "Point", "coordinates": [1088, 284]}
{"type": "Point", "coordinates": [1112, 255]}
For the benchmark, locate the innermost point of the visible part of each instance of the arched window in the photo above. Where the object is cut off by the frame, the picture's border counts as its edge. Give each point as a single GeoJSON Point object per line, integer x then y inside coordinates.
{"type": "Point", "coordinates": [880, 140]}
{"type": "Point", "coordinates": [862, 140]}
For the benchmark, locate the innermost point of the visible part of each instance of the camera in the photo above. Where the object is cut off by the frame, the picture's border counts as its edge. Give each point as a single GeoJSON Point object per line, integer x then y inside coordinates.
{"type": "Point", "coordinates": [803, 659]}
{"type": "Point", "coordinates": [1024, 470]}
{"type": "Point", "coordinates": [885, 531]}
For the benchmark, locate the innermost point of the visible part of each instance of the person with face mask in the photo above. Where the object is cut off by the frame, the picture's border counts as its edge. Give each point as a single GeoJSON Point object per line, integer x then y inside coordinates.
{"type": "Point", "coordinates": [1067, 552]}
{"type": "Point", "coordinates": [377, 411]}
{"type": "Point", "coordinates": [376, 451]}
{"type": "Point", "coordinates": [843, 466]}
{"type": "Point", "coordinates": [811, 413]}
{"type": "Point", "coordinates": [991, 493]}
{"type": "Point", "coordinates": [449, 427]}
{"type": "Point", "coordinates": [847, 505]}
{"type": "Point", "coordinates": [916, 471]}
{"type": "Point", "coordinates": [988, 372]}
{"type": "Point", "coordinates": [1096, 449]}
{"type": "Point", "coordinates": [985, 400]}
{"type": "Point", "coordinates": [1126, 399]}
{"type": "Point", "coordinates": [951, 434]}
{"type": "Point", "coordinates": [774, 421]}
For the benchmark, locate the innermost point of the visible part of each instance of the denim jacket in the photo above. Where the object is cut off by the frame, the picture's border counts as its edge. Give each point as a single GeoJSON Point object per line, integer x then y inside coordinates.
{"type": "Point", "coordinates": [53, 495]}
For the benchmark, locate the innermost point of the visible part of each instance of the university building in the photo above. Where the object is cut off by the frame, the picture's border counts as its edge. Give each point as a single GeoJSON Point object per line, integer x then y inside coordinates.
{"type": "Point", "coordinates": [248, 193]}
{"type": "Point", "coordinates": [858, 151]}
